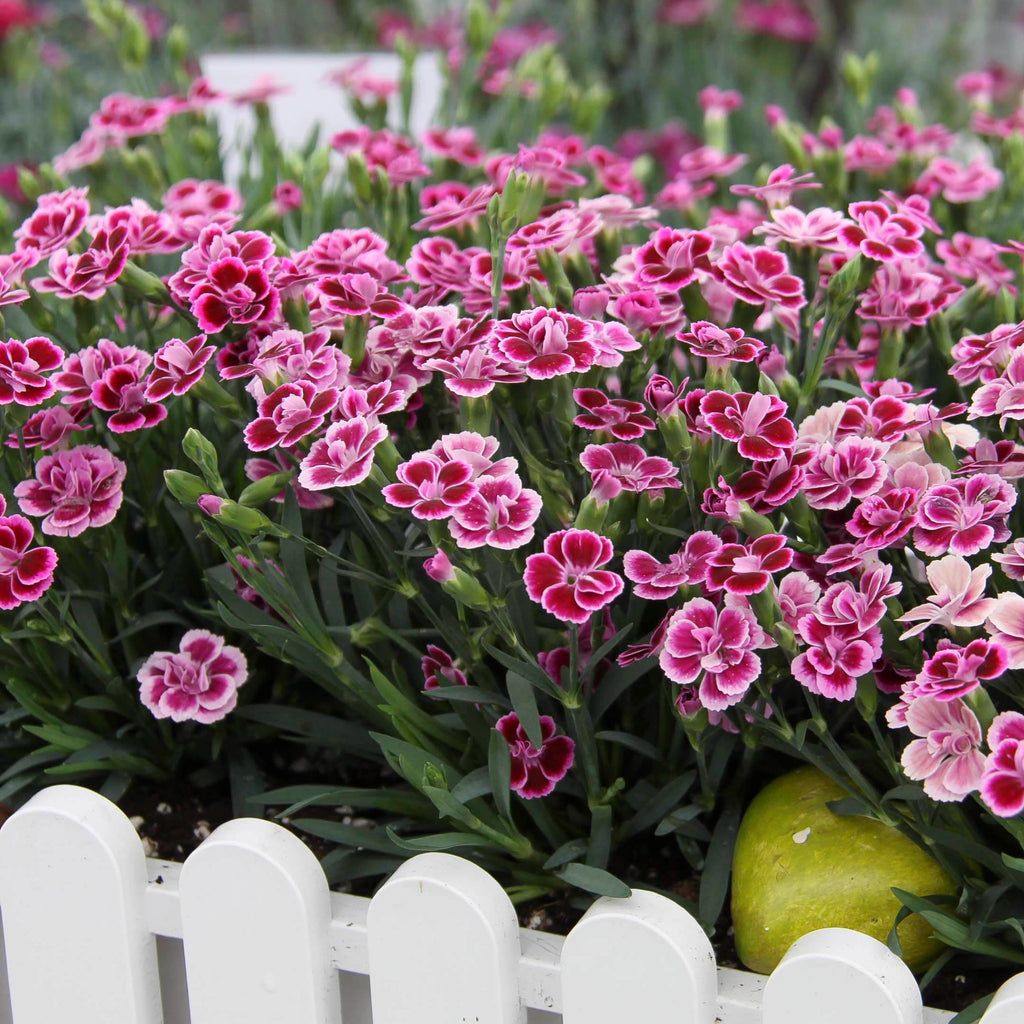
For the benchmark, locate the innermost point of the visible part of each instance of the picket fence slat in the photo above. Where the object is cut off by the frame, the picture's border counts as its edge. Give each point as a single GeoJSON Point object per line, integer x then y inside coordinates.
{"type": "Point", "coordinates": [443, 946]}
{"type": "Point", "coordinates": [642, 958]}
{"type": "Point", "coordinates": [247, 931]}
{"type": "Point", "coordinates": [857, 977]}
{"type": "Point", "coordinates": [1007, 1006]}
{"type": "Point", "coordinates": [72, 887]}
{"type": "Point", "coordinates": [255, 913]}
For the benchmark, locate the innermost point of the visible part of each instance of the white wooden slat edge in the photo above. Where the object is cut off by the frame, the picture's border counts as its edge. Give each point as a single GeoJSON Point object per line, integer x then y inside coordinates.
{"type": "Point", "coordinates": [1008, 1005]}
{"type": "Point", "coordinates": [643, 957]}
{"type": "Point", "coordinates": [255, 916]}
{"type": "Point", "coordinates": [443, 942]}
{"type": "Point", "coordinates": [72, 889]}
{"type": "Point", "coordinates": [540, 985]}
{"type": "Point", "coordinates": [854, 976]}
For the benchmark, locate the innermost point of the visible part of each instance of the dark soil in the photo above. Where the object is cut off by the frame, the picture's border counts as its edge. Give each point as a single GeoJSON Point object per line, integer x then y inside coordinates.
{"type": "Point", "coordinates": [173, 819]}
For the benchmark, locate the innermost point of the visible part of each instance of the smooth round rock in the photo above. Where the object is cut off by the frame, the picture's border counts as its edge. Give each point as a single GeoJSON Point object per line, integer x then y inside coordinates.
{"type": "Point", "coordinates": [798, 867]}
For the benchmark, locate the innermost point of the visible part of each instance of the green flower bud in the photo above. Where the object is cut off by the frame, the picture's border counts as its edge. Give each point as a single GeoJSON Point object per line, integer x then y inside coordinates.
{"type": "Point", "coordinates": [185, 487]}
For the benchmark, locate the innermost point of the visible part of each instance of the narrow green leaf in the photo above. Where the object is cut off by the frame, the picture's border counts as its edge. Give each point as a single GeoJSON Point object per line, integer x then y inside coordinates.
{"type": "Point", "coordinates": [627, 739]}
{"type": "Point", "coordinates": [473, 694]}
{"type": "Point", "coordinates": [657, 806]}
{"type": "Point", "coordinates": [438, 841]}
{"type": "Point", "coordinates": [347, 835]}
{"type": "Point", "coordinates": [595, 880]}
{"type": "Point", "coordinates": [499, 767]}
{"type": "Point", "coordinates": [714, 882]}
{"type": "Point", "coordinates": [565, 853]}
{"type": "Point", "coordinates": [524, 703]}
{"type": "Point", "coordinates": [473, 785]}
{"type": "Point", "coordinates": [600, 837]}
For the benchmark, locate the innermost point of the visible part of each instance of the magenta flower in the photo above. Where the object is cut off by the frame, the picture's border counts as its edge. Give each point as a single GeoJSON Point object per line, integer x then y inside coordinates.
{"type": "Point", "coordinates": [836, 656]}
{"type": "Point", "coordinates": [536, 771]}
{"type": "Point", "coordinates": [501, 515]}
{"type": "Point", "coordinates": [195, 206]}
{"type": "Point", "coordinates": [343, 457]}
{"type": "Point", "coordinates": [964, 516]}
{"type": "Point", "coordinates": [430, 488]}
{"type": "Point", "coordinates": [567, 581]}
{"type": "Point", "coordinates": [623, 419]}
{"type": "Point", "coordinates": [59, 218]}
{"type": "Point", "coordinates": [200, 682]}
{"type": "Point", "coordinates": [758, 276]}
{"type": "Point", "coordinates": [975, 260]}
{"type": "Point", "coordinates": [955, 671]}
{"type": "Point", "coordinates": [45, 429]}
{"type": "Point", "coordinates": [853, 467]}
{"type": "Point", "coordinates": [657, 581]}
{"type": "Point", "coordinates": [26, 573]}
{"type": "Point", "coordinates": [121, 392]}
{"type": "Point", "coordinates": [720, 345]}
{"type": "Point", "coordinates": [880, 234]}
{"type": "Point", "coordinates": [74, 490]}
{"type": "Point", "coordinates": [233, 293]}
{"type": "Point", "coordinates": [716, 647]}
{"type": "Point", "coordinates": [88, 274]}
{"type": "Point", "coordinates": [1001, 395]}
{"type": "Point", "coordinates": [747, 569]}
{"type": "Point", "coordinates": [546, 342]}
{"type": "Point", "coordinates": [756, 422]}
{"type": "Point", "coordinates": [620, 466]}
{"type": "Point", "coordinates": [177, 367]}
{"type": "Point", "coordinates": [22, 368]}
{"type": "Point", "coordinates": [82, 369]}
{"type": "Point", "coordinates": [946, 756]}
{"type": "Point", "coordinates": [881, 520]}
{"type": "Point", "coordinates": [440, 669]}
{"type": "Point", "coordinates": [288, 414]}
{"type": "Point", "coordinates": [672, 257]}
{"type": "Point", "coordinates": [1002, 784]}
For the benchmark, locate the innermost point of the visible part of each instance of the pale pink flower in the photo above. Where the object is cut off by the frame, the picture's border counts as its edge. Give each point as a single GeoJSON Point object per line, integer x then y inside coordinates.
{"type": "Point", "coordinates": [957, 597]}
{"type": "Point", "coordinates": [715, 646]}
{"type": "Point", "coordinates": [74, 490]}
{"type": "Point", "coordinates": [430, 488]}
{"type": "Point", "coordinates": [985, 356]}
{"type": "Point", "coordinates": [199, 682]}
{"type": "Point", "coordinates": [908, 293]}
{"type": "Point", "coordinates": [1002, 395]}
{"type": "Point", "coordinates": [620, 466]}
{"type": "Point", "coordinates": [818, 229]}
{"type": "Point", "coordinates": [1012, 560]}
{"type": "Point", "coordinates": [456, 206]}
{"type": "Point", "coordinates": [476, 451]}
{"type": "Point", "coordinates": [778, 189]}
{"type": "Point", "coordinates": [853, 467]}
{"type": "Point", "coordinates": [964, 516]}
{"type": "Point", "coordinates": [797, 595]}
{"type": "Point", "coordinates": [957, 183]}
{"type": "Point", "coordinates": [946, 757]}
{"type": "Point", "coordinates": [1005, 625]}
{"type": "Point", "coordinates": [976, 260]}
{"type": "Point", "coordinates": [720, 345]}
{"type": "Point", "coordinates": [88, 274]}
{"type": "Point", "coordinates": [146, 230]}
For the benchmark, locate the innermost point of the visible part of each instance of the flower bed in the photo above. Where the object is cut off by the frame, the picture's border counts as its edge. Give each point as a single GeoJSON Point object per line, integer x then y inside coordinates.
{"type": "Point", "coordinates": [544, 501]}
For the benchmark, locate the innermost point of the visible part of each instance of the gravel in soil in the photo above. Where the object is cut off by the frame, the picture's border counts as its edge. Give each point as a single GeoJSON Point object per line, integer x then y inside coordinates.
{"type": "Point", "coordinates": [173, 819]}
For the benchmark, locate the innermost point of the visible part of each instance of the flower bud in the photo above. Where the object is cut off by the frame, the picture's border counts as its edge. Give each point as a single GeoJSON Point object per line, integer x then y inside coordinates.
{"type": "Point", "coordinates": [186, 487]}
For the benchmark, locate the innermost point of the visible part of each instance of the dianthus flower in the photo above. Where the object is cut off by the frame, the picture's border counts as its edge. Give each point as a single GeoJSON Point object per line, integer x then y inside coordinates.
{"type": "Point", "coordinates": [456, 207]}
{"type": "Point", "coordinates": [907, 293]}
{"type": "Point", "coordinates": [880, 234]}
{"type": "Point", "coordinates": [984, 356]}
{"type": "Point", "coordinates": [1005, 625]}
{"type": "Point", "coordinates": [964, 516]}
{"type": "Point", "coordinates": [546, 342]}
{"type": "Point", "coordinates": [777, 191]}
{"type": "Point", "coordinates": [22, 368]}
{"type": "Point", "coordinates": [89, 274]}
{"type": "Point", "coordinates": [395, 155]}
{"type": "Point", "coordinates": [747, 569]}
{"type": "Point", "coordinates": [720, 345]}
{"type": "Point", "coordinates": [954, 671]}
{"type": "Point", "coordinates": [535, 772]}
{"type": "Point", "coordinates": [818, 229]}
{"type": "Point", "coordinates": [758, 276]}
{"type": "Point", "coordinates": [26, 573]}
{"type": "Point", "coordinates": [122, 392]}
{"type": "Point", "coordinates": [289, 413]}
{"type": "Point", "coordinates": [59, 218]}
{"type": "Point", "coordinates": [195, 205]}
{"type": "Point", "coordinates": [440, 669]}
{"type": "Point", "coordinates": [619, 466]}
{"type": "Point", "coordinates": [47, 428]}
{"type": "Point", "coordinates": [146, 230]}
{"type": "Point", "coordinates": [82, 369]}
{"type": "Point", "coordinates": [716, 647]}
{"type": "Point", "coordinates": [976, 260]}
{"type": "Point", "coordinates": [623, 419]}
{"type": "Point", "coordinates": [756, 422]}
{"type": "Point", "coordinates": [500, 515]}
{"type": "Point", "coordinates": [957, 597]}
{"type": "Point", "coordinates": [957, 183]}
{"type": "Point", "coordinates": [1002, 784]}
{"type": "Point", "coordinates": [199, 682]}
{"type": "Point", "coordinates": [74, 490]}
{"type": "Point", "coordinates": [835, 656]}
{"type": "Point", "coordinates": [672, 257]}
{"type": "Point", "coordinates": [233, 293]}
{"type": "Point", "coordinates": [656, 581]}
{"type": "Point", "coordinates": [784, 19]}
{"type": "Point", "coordinates": [1002, 395]}
{"type": "Point", "coordinates": [567, 581]}
{"type": "Point", "coordinates": [127, 117]}
{"type": "Point", "coordinates": [476, 451]}
{"type": "Point", "coordinates": [344, 456]}
{"type": "Point", "coordinates": [430, 488]}
{"type": "Point", "coordinates": [853, 467]}
{"type": "Point", "coordinates": [946, 756]}
{"type": "Point", "coordinates": [178, 366]}
{"type": "Point", "coordinates": [333, 299]}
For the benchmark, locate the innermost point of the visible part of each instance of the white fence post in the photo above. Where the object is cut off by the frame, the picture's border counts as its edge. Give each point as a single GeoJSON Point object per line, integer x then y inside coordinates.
{"type": "Point", "coordinates": [444, 946]}
{"type": "Point", "coordinates": [643, 958]}
{"type": "Point", "coordinates": [843, 976]}
{"type": "Point", "coordinates": [255, 914]}
{"type": "Point", "coordinates": [1007, 1007]}
{"type": "Point", "coordinates": [72, 888]}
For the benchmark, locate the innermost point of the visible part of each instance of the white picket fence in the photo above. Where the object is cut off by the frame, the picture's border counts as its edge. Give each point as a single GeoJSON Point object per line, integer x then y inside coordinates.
{"type": "Point", "coordinates": [247, 932]}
